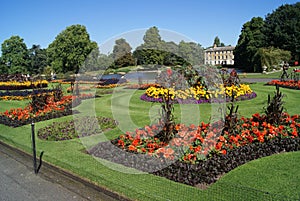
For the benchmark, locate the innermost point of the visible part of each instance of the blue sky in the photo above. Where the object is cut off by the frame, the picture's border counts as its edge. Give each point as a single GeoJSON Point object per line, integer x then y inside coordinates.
{"type": "Point", "coordinates": [40, 21]}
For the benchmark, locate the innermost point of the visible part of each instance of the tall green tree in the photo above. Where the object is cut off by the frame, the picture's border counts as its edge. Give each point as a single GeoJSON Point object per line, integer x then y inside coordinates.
{"type": "Point", "coordinates": [122, 54]}
{"type": "Point", "coordinates": [152, 39]}
{"type": "Point", "coordinates": [91, 63]}
{"type": "Point", "coordinates": [70, 49]}
{"type": "Point", "coordinates": [191, 52]}
{"type": "Point", "coordinates": [105, 61]}
{"type": "Point", "coordinates": [270, 57]}
{"type": "Point", "coordinates": [250, 39]}
{"type": "Point", "coordinates": [217, 42]}
{"type": "Point", "coordinates": [14, 57]}
{"type": "Point", "coordinates": [282, 29]}
{"type": "Point", "coordinates": [152, 50]}
{"type": "Point", "coordinates": [37, 59]}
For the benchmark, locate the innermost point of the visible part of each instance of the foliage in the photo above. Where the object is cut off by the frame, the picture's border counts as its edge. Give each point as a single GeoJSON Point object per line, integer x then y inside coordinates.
{"type": "Point", "coordinates": [270, 57]}
{"type": "Point", "coordinates": [38, 102]}
{"type": "Point", "coordinates": [21, 116]}
{"type": "Point", "coordinates": [191, 52]}
{"type": "Point", "coordinates": [205, 155]}
{"type": "Point", "coordinates": [141, 86]}
{"type": "Point", "coordinates": [91, 62]}
{"type": "Point", "coordinates": [70, 49]}
{"type": "Point", "coordinates": [15, 85]}
{"type": "Point", "coordinates": [124, 61]}
{"type": "Point", "coordinates": [217, 41]}
{"type": "Point", "coordinates": [37, 59]}
{"type": "Point", "coordinates": [22, 95]}
{"type": "Point", "coordinates": [250, 39]}
{"type": "Point", "coordinates": [291, 84]}
{"type": "Point", "coordinates": [199, 94]}
{"type": "Point", "coordinates": [122, 54]}
{"type": "Point", "coordinates": [79, 127]}
{"type": "Point", "coordinates": [274, 109]}
{"type": "Point", "coordinates": [57, 93]}
{"type": "Point", "coordinates": [282, 29]}
{"type": "Point", "coordinates": [154, 50]}
{"type": "Point", "coordinates": [14, 58]}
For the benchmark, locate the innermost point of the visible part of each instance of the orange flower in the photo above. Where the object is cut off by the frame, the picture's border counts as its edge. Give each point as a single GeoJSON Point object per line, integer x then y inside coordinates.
{"type": "Point", "coordinates": [131, 148]}
{"type": "Point", "coordinates": [221, 138]}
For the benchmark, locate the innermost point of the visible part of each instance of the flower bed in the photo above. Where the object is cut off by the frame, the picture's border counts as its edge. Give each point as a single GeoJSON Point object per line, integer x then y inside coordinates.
{"type": "Point", "coordinates": [141, 86]}
{"type": "Point", "coordinates": [200, 94]}
{"type": "Point", "coordinates": [22, 116]}
{"type": "Point", "coordinates": [205, 156]}
{"type": "Point", "coordinates": [108, 86]}
{"type": "Point", "coordinates": [80, 127]}
{"type": "Point", "coordinates": [81, 88]}
{"type": "Point", "coordinates": [22, 95]}
{"type": "Point", "coordinates": [15, 85]}
{"type": "Point", "coordinates": [291, 84]}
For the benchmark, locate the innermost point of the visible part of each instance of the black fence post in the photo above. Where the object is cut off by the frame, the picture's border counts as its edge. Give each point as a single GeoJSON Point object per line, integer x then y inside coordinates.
{"type": "Point", "coordinates": [36, 169]}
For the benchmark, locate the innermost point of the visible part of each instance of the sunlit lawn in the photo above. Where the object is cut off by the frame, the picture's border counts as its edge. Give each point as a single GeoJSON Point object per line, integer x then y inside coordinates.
{"type": "Point", "coordinates": [125, 106]}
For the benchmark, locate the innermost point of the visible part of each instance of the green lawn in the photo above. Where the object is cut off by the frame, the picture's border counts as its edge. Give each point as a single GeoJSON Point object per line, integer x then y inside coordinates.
{"type": "Point", "coordinates": [272, 75]}
{"type": "Point", "coordinates": [276, 174]}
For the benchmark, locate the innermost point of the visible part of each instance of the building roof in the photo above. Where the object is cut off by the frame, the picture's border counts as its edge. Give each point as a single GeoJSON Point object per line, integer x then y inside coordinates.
{"type": "Point", "coordinates": [225, 48]}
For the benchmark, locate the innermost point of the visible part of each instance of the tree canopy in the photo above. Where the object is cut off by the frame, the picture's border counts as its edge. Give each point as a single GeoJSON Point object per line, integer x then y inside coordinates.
{"type": "Point", "coordinates": [278, 32]}
{"type": "Point", "coordinates": [37, 59]}
{"type": "Point", "coordinates": [122, 54]}
{"type": "Point", "coordinates": [14, 57]}
{"type": "Point", "coordinates": [282, 29]}
{"type": "Point", "coordinates": [70, 49]}
{"type": "Point", "coordinates": [250, 39]}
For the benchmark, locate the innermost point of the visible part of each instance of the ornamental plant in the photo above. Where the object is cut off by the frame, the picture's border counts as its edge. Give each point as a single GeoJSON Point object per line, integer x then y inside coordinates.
{"type": "Point", "coordinates": [274, 109]}
{"type": "Point", "coordinates": [170, 80]}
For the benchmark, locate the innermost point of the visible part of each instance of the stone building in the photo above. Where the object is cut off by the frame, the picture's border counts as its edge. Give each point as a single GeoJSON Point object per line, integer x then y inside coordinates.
{"type": "Point", "coordinates": [219, 55]}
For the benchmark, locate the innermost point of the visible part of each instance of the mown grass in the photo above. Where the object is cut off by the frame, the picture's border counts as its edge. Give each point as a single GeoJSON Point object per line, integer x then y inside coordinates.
{"type": "Point", "coordinates": [249, 181]}
{"type": "Point", "coordinates": [270, 75]}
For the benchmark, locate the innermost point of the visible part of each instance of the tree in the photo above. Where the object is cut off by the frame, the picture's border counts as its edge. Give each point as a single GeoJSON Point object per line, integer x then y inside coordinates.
{"type": "Point", "coordinates": [104, 61]}
{"type": "Point", "coordinates": [152, 39]}
{"type": "Point", "coordinates": [70, 49]}
{"type": "Point", "coordinates": [38, 59]}
{"type": "Point", "coordinates": [91, 63]}
{"type": "Point", "coordinates": [14, 57]}
{"type": "Point", "coordinates": [122, 54]}
{"type": "Point", "coordinates": [250, 39]}
{"type": "Point", "coordinates": [191, 52]}
{"type": "Point", "coordinates": [282, 29]}
{"type": "Point", "coordinates": [151, 51]}
{"type": "Point", "coordinates": [270, 57]}
{"type": "Point", "coordinates": [217, 42]}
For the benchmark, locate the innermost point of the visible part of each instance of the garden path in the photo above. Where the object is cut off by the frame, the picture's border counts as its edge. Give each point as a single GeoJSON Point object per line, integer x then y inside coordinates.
{"type": "Point", "coordinates": [18, 181]}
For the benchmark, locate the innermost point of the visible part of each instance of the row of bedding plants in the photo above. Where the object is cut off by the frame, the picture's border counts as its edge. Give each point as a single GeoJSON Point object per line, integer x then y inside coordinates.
{"type": "Point", "coordinates": [39, 111]}
{"type": "Point", "coordinates": [16, 85]}
{"type": "Point", "coordinates": [43, 106]}
{"type": "Point", "coordinates": [23, 95]}
{"type": "Point", "coordinates": [291, 84]}
{"type": "Point", "coordinates": [200, 154]}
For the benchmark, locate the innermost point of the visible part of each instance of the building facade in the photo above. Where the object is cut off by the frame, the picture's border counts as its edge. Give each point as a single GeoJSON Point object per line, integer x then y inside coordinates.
{"type": "Point", "coordinates": [219, 55]}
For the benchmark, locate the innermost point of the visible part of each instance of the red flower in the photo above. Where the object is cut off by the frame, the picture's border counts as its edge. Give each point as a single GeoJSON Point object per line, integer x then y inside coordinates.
{"type": "Point", "coordinates": [219, 145]}
{"type": "Point", "coordinates": [223, 151]}
{"type": "Point", "coordinates": [131, 148]}
{"type": "Point", "coordinates": [169, 72]}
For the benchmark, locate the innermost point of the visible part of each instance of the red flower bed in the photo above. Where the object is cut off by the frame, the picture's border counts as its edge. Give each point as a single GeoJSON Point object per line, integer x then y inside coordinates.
{"type": "Point", "coordinates": [22, 116]}
{"type": "Point", "coordinates": [197, 154]}
{"type": "Point", "coordinates": [287, 84]}
{"type": "Point", "coordinates": [200, 141]}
